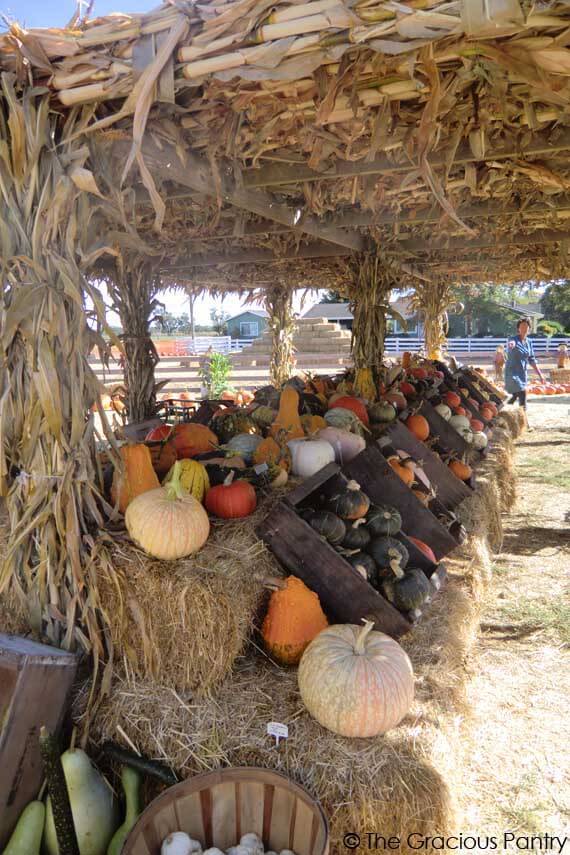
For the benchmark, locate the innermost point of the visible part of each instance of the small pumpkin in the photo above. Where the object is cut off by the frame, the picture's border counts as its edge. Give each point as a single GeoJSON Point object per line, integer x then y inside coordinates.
{"type": "Point", "coordinates": [383, 520]}
{"type": "Point", "coordinates": [356, 682]}
{"type": "Point", "coordinates": [406, 590]}
{"type": "Point", "coordinates": [382, 412]}
{"type": "Point", "coordinates": [138, 475]}
{"type": "Point", "coordinates": [403, 472]}
{"type": "Point", "coordinates": [366, 566]}
{"type": "Point", "coordinates": [350, 503]}
{"type": "Point", "coordinates": [462, 470]}
{"type": "Point", "coordinates": [309, 456]}
{"type": "Point", "coordinates": [294, 618]}
{"type": "Point", "coordinates": [167, 522]}
{"type": "Point", "coordinates": [386, 549]}
{"type": "Point", "coordinates": [232, 499]}
{"type": "Point", "coordinates": [444, 411]}
{"type": "Point", "coordinates": [357, 535]}
{"type": "Point", "coordinates": [419, 426]}
{"type": "Point", "coordinates": [327, 524]}
{"type": "Point", "coordinates": [288, 422]}
{"type": "Point", "coordinates": [357, 406]}
{"type": "Point", "coordinates": [190, 439]}
{"type": "Point", "coordinates": [312, 424]}
{"type": "Point", "coordinates": [269, 451]}
{"type": "Point", "coordinates": [452, 399]}
{"type": "Point", "coordinates": [244, 444]}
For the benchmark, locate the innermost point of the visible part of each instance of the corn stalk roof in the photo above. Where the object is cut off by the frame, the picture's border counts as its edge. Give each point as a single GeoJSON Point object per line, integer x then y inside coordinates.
{"type": "Point", "coordinates": [249, 133]}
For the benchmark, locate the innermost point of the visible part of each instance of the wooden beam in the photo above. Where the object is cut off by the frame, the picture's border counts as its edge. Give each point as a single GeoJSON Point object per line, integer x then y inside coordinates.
{"type": "Point", "coordinates": [420, 247]}
{"type": "Point", "coordinates": [362, 219]}
{"type": "Point", "coordinates": [196, 174]}
{"type": "Point", "coordinates": [276, 174]}
{"type": "Point", "coordinates": [256, 256]}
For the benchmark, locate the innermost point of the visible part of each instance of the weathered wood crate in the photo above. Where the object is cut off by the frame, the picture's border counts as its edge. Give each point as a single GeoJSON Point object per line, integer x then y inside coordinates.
{"type": "Point", "coordinates": [345, 595]}
{"type": "Point", "coordinates": [446, 437]}
{"type": "Point", "coordinates": [450, 490]}
{"type": "Point", "coordinates": [498, 397]}
{"type": "Point", "coordinates": [35, 681]}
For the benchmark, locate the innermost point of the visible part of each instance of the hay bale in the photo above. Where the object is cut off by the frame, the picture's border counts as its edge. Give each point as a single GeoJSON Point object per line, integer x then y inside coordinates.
{"type": "Point", "coordinates": [408, 780]}
{"type": "Point", "coordinates": [186, 621]}
{"type": "Point", "coordinates": [513, 420]}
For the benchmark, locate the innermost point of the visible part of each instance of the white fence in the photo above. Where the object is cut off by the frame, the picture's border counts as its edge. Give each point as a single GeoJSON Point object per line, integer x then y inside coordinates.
{"type": "Point", "coordinates": [394, 344]}
{"type": "Point", "coordinates": [397, 344]}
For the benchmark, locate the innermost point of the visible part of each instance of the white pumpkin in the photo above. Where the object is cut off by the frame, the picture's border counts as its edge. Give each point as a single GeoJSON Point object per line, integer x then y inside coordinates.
{"type": "Point", "coordinates": [356, 682]}
{"type": "Point", "coordinates": [459, 422]}
{"type": "Point", "coordinates": [346, 445]}
{"type": "Point", "coordinates": [309, 456]}
{"type": "Point", "coordinates": [480, 440]}
{"type": "Point", "coordinates": [444, 411]}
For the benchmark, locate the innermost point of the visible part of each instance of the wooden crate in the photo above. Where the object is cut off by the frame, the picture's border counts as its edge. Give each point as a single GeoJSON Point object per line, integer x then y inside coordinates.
{"type": "Point", "coordinates": [447, 438]}
{"type": "Point", "coordinates": [450, 490]}
{"type": "Point", "coordinates": [344, 594]}
{"type": "Point", "coordinates": [34, 686]}
{"type": "Point", "coordinates": [497, 396]}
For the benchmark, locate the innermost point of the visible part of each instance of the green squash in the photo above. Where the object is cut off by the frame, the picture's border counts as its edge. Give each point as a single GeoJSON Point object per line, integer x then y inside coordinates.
{"type": "Point", "coordinates": [327, 524]}
{"type": "Point", "coordinates": [385, 549]}
{"type": "Point", "coordinates": [244, 444]}
{"type": "Point", "coordinates": [383, 520]}
{"type": "Point", "coordinates": [357, 535]}
{"type": "Point", "coordinates": [365, 565]}
{"type": "Point", "coordinates": [407, 590]}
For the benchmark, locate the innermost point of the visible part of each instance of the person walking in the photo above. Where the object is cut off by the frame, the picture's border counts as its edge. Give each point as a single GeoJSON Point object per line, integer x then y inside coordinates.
{"type": "Point", "coordinates": [520, 353]}
{"type": "Point", "coordinates": [499, 363]}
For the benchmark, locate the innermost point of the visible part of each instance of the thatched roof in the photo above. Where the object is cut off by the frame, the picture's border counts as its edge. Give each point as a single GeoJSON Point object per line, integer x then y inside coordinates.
{"type": "Point", "coordinates": [439, 130]}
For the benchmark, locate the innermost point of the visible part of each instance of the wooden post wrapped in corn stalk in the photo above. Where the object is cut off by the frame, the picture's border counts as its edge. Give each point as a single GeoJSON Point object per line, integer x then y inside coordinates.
{"type": "Point", "coordinates": [369, 291]}
{"type": "Point", "coordinates": [134, 290]}
{"type": "Point", "coordinates": [432, 299]}
{"type": "Point", "coordinates": [279, 305]}
{"type": "Point", "coordinates": [50, 475]}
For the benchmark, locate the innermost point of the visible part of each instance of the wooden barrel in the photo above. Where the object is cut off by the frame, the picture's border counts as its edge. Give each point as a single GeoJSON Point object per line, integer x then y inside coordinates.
{"type": "Point", "coordinates": [217, 808]}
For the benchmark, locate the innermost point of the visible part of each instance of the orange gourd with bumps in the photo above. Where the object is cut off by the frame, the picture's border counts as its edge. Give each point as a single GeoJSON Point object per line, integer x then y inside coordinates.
{"type": "Point", "coordinates": [294, 618]}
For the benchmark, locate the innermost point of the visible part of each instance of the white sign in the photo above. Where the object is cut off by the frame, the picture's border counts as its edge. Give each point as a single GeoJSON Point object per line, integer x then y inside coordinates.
{"type": "Point", "coordinates": [278, 730]}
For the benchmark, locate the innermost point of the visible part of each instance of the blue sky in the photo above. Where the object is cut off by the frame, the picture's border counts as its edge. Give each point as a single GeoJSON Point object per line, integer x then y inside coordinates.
{"type": "Point", "coordinates": [56, 13]}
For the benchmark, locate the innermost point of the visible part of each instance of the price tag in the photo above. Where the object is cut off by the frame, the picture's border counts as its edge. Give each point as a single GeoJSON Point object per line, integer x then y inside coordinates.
{"type": "Point", "coordinates": [278, 730]}
{"type": "Point", "coordinates": [260, 468]}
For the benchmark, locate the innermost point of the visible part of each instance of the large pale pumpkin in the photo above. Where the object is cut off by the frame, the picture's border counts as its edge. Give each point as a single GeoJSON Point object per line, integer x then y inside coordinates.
{"type": "Point", "coordinates": [138, 475]}
{"type": "Point", "coordinates": [356, 682]}
{"type": "Point", "coordinates": [293, 619]}
{"type": "Point", "coordinates": [168, 523]}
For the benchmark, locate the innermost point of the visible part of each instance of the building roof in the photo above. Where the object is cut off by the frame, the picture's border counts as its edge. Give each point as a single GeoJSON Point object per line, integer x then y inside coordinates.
{"type": "Point", "coordinates": [261, 313]}
{"type": "Point", "coordinates": [531, 310]}
{"type": "Point", "coordinates": [341, 311]}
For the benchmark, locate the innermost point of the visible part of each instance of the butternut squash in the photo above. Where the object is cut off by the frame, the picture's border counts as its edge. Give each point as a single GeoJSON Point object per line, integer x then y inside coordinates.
{"type": "Point", "coordinates": [288, 425]}
{"type": "Point", "coordinates": [138, 475]}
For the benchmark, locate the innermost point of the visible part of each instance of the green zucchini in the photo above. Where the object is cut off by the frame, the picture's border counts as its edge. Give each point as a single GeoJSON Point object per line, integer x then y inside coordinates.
{"type": "Point", "coordinates": [131, 782]}
{"type": "Point", "coordinates": [152, 768]}
{"type": "Point", "coordinates": [59, 795]}
{"type": "Point", "coordinates": [27, 836]}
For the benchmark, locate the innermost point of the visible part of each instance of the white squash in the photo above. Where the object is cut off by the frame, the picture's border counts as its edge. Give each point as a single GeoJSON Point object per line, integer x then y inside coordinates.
{"type": "Point", "coordinates": [177, 843]}
{"type": "Point", "coordinates": [459, 422]}
{"type": "Point", "coordinates": [356, 682]}
{"type": "Point", "coordinates": [480, 440]}
{"type": "Point", "coordinates": [92, 804]}
{"type": "Point", "coordinates": [444, 411]}
{"type": "Point", "coordinates": [309, 456]}
{"type": "Point", "coordinates": [346, 445]}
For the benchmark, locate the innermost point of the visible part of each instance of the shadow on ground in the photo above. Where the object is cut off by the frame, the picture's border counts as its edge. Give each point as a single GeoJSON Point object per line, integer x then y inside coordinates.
{"type": "Point", "coordinates": [529, 540]}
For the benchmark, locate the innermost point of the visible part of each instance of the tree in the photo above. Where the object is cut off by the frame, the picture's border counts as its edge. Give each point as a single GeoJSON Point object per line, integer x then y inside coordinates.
{"type": "Point", "coordinates": [333, 297]}
{"type": "Point", "coordinates": [555, 303]}
{"type": "Point", "coordinates": [482, 313]}
{"type": "Point", "coordinates": [219, 317]}
{"type": "Point", "coordinates": [169, 324]}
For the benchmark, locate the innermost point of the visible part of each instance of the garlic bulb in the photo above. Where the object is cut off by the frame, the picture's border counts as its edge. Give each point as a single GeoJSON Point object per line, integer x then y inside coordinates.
{"type": "Point", "coordinates": [252, 843]}
{"type": "Point", "coordinates": [177, 843]}
{"type": "Point", "coordinates": [213, 850]}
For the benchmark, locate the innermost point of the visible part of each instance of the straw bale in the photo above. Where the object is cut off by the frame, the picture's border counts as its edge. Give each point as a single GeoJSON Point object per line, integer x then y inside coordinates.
{"type": "Point", "coordinates": [188, 621]}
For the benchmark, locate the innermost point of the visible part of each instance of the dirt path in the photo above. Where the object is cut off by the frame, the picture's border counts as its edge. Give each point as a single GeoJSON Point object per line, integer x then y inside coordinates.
{"type": "Point", "coordinates": [518, 774]}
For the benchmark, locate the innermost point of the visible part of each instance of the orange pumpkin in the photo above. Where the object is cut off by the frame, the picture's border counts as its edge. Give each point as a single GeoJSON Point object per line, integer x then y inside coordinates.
{"type": "Point", "coordinates": [269, 451]}
{"type": "Point", "coordinates": [419, 426]}
{"type": "Point", "coordinates": [427, 551]}
{"type": "Point", "coordinates": [452, 400]}
{"type": "Point", "coordinates": [294, 617]}
{"type": "Point", "coordinates": [190, 439]}
{"type": "Point", "coordinates": [461, 469]}
{"type": "Point", "coordinates": [404, 472]}
{"type": "Point", "coordinates": [476, 425]}
{"type": "Point", "coordinates": [138, 476]}
{"type": "Point", "coordinates": [232, 499]}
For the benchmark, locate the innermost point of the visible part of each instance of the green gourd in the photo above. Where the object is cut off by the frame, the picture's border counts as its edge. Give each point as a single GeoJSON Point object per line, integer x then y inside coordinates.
{"type": "Point", "coordinates": [27, 836]}
{"type": "Point", "coordinates": [407, 590]}
{"type": "Point", "coordinates": [383, 520]}
{"type": "Point", "coordinates": [131, 783]}
{"type": "Point", "coordinates": [383, 550]}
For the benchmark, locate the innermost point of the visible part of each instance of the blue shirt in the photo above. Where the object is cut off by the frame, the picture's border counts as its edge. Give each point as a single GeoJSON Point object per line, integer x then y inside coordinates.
{"type": "Point", "coordinates": [519, 354]}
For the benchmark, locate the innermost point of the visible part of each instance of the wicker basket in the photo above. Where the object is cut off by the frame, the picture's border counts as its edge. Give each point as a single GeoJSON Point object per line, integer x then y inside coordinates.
{"type": "Point", "coordinates": [217, 808]}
